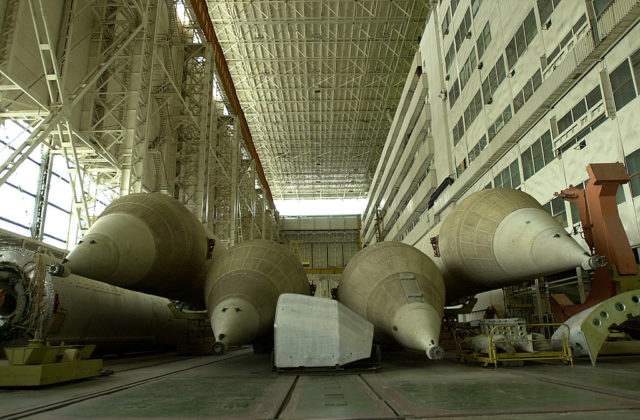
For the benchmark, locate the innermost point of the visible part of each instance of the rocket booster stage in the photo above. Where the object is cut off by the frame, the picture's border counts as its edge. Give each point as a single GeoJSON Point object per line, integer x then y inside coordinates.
{"type": "Point", "coordinates": [400, 291]}
{"type": "Point", "coordinates": [242, 290]}
{"type": "Point", "coordinates": [498, 237]}
{"type": "Point", "coordinates": [146, 242]}
{"type": "Point", "coordinates": [78, 310]}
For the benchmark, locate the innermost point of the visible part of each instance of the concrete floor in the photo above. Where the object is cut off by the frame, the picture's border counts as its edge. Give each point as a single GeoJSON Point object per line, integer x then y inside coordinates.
{"type": "Point", "coordinates": [241, 385]}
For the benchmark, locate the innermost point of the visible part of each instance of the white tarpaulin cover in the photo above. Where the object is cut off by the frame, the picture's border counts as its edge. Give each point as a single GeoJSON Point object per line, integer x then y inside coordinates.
{"type": "Point", "coordinates": [317, 332]}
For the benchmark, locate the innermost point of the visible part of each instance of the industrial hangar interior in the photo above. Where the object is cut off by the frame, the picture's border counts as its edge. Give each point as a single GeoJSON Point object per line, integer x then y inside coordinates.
{"type": "Point", "coordinates": [319, 208]}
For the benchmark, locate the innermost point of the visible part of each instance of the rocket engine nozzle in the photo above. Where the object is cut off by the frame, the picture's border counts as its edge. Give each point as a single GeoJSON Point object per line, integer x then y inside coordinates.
{"type": "Point", "coordinates": [594, 261]}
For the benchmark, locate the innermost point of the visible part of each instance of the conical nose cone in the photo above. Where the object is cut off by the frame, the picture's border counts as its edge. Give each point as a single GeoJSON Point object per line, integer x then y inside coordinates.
{"type": "Point", "coordinates": [417, 326]}
{"type": "Point", "coordinates": [95, 257]}
{"type": "Point", "coordinates": [529, 242]}
{"type": "Point", "coordinates": [235, 321]}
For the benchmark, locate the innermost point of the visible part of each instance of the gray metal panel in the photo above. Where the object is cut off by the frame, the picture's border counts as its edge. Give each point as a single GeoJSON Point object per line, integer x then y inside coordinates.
{"type": "Point", "coordinates": [314, 332]}
{"type": "Point", "coordinates": [334, 255]}
{"type": "Point", "coordinates": [319, 256]}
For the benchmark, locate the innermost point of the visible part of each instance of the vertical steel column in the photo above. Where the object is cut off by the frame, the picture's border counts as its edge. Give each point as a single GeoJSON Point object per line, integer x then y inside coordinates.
{"type": "Point", "coordinates": [233, 204]}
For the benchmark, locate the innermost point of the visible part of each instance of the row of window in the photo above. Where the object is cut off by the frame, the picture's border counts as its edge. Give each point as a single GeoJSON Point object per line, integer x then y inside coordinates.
{"type": "Point", "coordinates": [473, 109]}
{"type": "Point", "coordinates": [458, 131]}
{"type": "Point", "coordinates": [527, 91]}
{"type": "Point", "coordinates": [454, 93]}
{"type": "Point", "coordinates": [622, 81]}
{"type": "Point", "coordinates": [449, 57]}
{"type": "Point", "coordinates": [490, 84]}
{"type": "Point", "coordinates": [574, 31]}
{"type": "Point", "coordinates": [622, 84]}
{"type": "Point", "coordinates": [509, 177]}
{"type": "Point", "coordinates": [589, 102]}
{"type": "Point", "coordinates": [464, 30]}
{"type": "Point", "coordinates": [545, 8]}
{"type": "Point", "coordinates": [522, 39]}
{"type": "Point", "coordinates": [582, 134]}
{"type": "Point", "coordinates": [467, 69]}
{"type": "Point", "coordinates": [479, 147]}
{"type": "Point", "coordinates": [537, 156]}
{"type": "Point", "coordinates": [500, 122]}
{"type": "Point", "coordinates": [483, 40]}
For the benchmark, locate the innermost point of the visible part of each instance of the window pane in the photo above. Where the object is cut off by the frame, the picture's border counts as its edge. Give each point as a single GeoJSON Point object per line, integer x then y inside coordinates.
{"type": "Point", "coordinates": [521, 43]}
{"type": "Point", "coordinates": [620, 198]}
{"type": "Point", "coordinates": [518, 101]}
{"type": "Point", "coordinates": [500, 71]}
{"type": "Point", "coordinates": [547, 147]}
{"type": "Point", "coordinates": [528, 90]}
{"type": "Point", "coordinates": [491, 132]}
{"type": "Point", "coordinates": [506, 114]}
{"type": "Point", "coordinates": [564, 122]}
{"type": "Point", "coordinates": [482, 142]}
{"type": "Point", "coordinates": [594, 97]}
{"type": "Point", "coordinates": [512, 57]}
{"type": "Point", "coordinates": [579, 23]}
{"type": "Point", "coordinates": [536, 80]}
{"type": "Point", "coordinates": [635, 63]}
{"type": "Point", "coordinates": [530, 28]}
{"type": "Point", "coordinates": [633, 166]}
{"type": "Point", "coordinates": [545, 7]}
{"type": "Point", "coordinates": [486, 92]}
{"type": "Point", "coordinates": [454, 6]}
{"type": "Point", "coordinates": [579, 110]}
{"type": "Point", "coordinates": [601, 5]}
{"type": "Point", "coordinates": [514, 168]}
{"type": "Point", "coordinates": [623, 90]}
{"type": "Point", "coordinates": [559, 211]}
{"type": "Point", "coordinates": [575, 212]}
{"type": "Point", "coordinates": [527, 164]}
{"type": "Point", "coordinates": [57, 223]}
{"type": "Point", "coordinates": [497, 181]}
{"type": "Point", "coordinates": [538, 158]}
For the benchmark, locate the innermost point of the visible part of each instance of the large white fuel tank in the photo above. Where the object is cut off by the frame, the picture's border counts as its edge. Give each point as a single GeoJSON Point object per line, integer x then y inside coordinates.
{"type": "Point", "coordinates": [498, 237]}
{"type": "Point", "coordinates": [400, 291]}
{"type": "Point", "coordinates": [77, 310]}
{"type": "Point", "coordinates": [146, 242]}
{"type": "Point", "coordinates": [243, 287]}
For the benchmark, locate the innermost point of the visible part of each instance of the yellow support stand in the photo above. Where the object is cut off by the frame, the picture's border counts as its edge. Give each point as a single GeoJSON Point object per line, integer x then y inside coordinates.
{"type": "Point", "coordinates": [493, 357]}
{"type": "Point", "coordinates": [38, 364]}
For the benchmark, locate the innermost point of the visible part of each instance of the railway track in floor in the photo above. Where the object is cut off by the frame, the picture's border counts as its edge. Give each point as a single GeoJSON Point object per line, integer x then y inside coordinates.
{"type": "Point", "coordinates": [50, 406]}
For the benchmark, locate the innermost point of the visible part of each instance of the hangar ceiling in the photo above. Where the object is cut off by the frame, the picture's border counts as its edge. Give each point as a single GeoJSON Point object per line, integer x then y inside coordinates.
{"type": "Point", "coordinates": [319, 82]}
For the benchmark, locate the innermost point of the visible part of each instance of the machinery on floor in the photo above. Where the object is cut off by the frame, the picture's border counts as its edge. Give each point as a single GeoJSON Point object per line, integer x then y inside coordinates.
{"type": "Point", "coordinates": [400, 290]}
{"type": "Point", "coordinates": [508, 341]}
{"type": "Point", "coordinates": [311, 332]}
{"type": "Point", "coordinates": [605, 235]}
{"type": "Point", "coordinates": [79, 311]}
{"type": "Point", "coordinates": [242, 289]}
{"type": "Point", "coordinates": [146, 242]}
{"type": "Point", "coordinates": [38, 364]}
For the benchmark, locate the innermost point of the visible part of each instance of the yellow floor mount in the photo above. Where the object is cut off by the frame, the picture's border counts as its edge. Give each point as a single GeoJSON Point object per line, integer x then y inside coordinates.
{"type": "Point", "coordinates": [498, 342]}
{"type": "Point", "coordinates": [40, 364]}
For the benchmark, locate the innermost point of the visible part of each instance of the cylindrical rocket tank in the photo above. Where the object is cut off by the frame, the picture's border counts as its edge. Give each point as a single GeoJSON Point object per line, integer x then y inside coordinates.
{"type": "Point", "coordinates": [78, 310]}
{"type": "Point", "coordinates": [146, 242]}
{"type": "Point", "coordinates": [242, 290]}
{"type": "Point", "coordinates": [497, 237]}
{"type": "Point", "coordinates": [400, 291]}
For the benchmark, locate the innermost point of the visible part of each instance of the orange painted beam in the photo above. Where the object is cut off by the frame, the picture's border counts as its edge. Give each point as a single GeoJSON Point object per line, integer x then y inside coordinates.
{"type": "Point", "coordinates": [202, 14]}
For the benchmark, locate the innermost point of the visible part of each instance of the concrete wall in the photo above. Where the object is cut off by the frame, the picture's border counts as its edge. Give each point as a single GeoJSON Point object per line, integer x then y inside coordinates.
{"type": "Point", "coordinates": [557, 51]}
